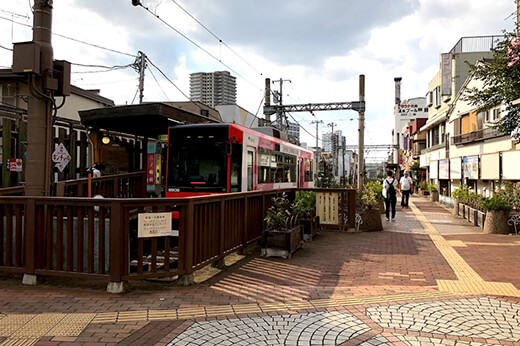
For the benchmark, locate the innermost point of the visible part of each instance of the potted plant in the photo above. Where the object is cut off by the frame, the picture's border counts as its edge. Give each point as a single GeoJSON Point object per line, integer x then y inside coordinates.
{"type": "Point", "coordinates": [434, 192]}
{"type": "Point", "coordinates": [282, 237]}
{"type": "Point", "coordinates": [497, 210]}
{"type": "Point", "coordinates": [304, 208]}
{"type": "Point", "coordinates": [460, 194]}
{"type": "Point", "coordinates": [377, 187]}
{"type": "Point", "coordinates": [370, 213]}
{"type": "Point", "coordinates": [424, 189]}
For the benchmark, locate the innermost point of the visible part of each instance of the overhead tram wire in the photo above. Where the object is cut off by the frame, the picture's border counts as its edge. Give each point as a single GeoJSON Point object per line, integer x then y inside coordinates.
{"type": "Point", "coordinates": [6, 48]}
{"type": "Point", "coordinates": [216, 37]}
{"type": "Point", "coordinates": [73, 39]}
{"type": "Point", "coordinates": [303, 128]}
{"type": "Point", "coordinates": [199, 46]}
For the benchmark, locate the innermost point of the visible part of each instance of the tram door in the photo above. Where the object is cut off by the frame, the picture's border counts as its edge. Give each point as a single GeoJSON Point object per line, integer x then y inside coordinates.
{"type": "Point", "coordinates": [250, 170]}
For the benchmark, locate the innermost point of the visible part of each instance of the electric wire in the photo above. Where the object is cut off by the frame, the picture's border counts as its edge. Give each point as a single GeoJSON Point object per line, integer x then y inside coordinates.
{"type": "Point", "coordinates": [6, 48]}
{"type": "Point", "coordinates": [159, 85]}
{"type": "Point", "coordinates": [199, 46]}
{"type": "Point", "coordinates": [303, 128]}
{"type": "Point", "coordinates": [115, 67]}
{"type": "Point", "coordinates": [74, 39]}
{"type": "Point", "coordinates": [216, 37]}
{"type": "Point", "coordinates": [15, 14]}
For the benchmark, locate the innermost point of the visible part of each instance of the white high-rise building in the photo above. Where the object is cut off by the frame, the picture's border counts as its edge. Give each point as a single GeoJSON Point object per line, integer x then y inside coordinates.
{"type": "Point", "coordinates": [214, 88]}
{"type": "Point", "coordinates": [331, 143]}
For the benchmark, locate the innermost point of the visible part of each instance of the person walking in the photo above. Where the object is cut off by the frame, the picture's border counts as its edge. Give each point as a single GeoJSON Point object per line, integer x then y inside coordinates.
{"type": "Point", "coordinates": [389, 193]}
{"type": "Point", "coordinates": [405, 184]}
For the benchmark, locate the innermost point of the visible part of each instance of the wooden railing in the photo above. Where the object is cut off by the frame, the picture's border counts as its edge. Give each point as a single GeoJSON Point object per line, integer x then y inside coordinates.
{"type": "Point", "coordinates": [98, 238]}
{"type": "Point", "coordinates": [128, 185]}
{"type": "Point", "coordinates": [12, 191]}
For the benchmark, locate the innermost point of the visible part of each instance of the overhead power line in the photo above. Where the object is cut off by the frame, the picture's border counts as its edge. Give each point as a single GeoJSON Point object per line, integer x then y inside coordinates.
{"type": "Point", "coordinates": [73, 39]}
{"type": "Point", "coordinates": [6, 48]}
{"type": "Point", "coordinates": [198, 46]}
{"type": "Point", "coordinates": [216, 37]}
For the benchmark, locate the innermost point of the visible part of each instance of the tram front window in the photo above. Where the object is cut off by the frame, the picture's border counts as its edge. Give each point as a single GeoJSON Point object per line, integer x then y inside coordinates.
{"type": "Point", "coordinates": [197, 163]}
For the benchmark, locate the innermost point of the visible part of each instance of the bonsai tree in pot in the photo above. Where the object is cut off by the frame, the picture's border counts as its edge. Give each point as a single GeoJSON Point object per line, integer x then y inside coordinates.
{"type": "Point", "coordinates": [497, 210]}
{"type": "Point", "coordinates": [304, 208]}
{"type": "Point", "coordinates": [281, 236]}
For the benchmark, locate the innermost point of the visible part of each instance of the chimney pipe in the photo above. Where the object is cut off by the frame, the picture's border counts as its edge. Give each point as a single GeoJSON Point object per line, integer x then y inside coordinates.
{"type": "Point", "coordinates": [397, 81]}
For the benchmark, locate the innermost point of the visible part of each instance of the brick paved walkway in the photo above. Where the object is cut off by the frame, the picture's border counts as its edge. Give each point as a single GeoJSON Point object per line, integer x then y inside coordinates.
{"type": "Point", "coordinates": [429, 278]}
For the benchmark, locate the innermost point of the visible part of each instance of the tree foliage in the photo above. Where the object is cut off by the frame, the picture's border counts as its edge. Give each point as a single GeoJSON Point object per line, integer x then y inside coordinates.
{"type": "Point", "coordinates": [501, 78]}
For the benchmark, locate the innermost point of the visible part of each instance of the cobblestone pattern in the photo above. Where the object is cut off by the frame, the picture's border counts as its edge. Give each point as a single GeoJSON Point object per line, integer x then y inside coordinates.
{"type": "Point", "coordinates": [473, 317]}
{"type": "Point", "coordinates": [377, 341]}
{"type": "Point", "coordinates": [425, 341]}
{"type": "Point", "coordinates": [319, 328]}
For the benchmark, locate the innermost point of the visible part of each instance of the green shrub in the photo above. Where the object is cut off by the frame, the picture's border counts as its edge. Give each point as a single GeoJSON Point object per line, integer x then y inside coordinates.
{"type": "Point", "coordinates": [278, 214]}
{"type": "Point", "coordinates": [497, 202]}
{"type": "Point", "coordinates": [461, 193]}
{"type": "Point", "coordinates": [376, 186]}
{"type": "Point", "coordinates": [304, 204]}
{"type": "Point", "coordinates": [432, 188]}
{"type": "Point", "coordinates": [368, 197]}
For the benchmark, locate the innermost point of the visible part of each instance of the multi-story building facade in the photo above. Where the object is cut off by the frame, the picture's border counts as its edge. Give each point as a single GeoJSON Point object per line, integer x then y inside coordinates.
{"type": "Point", "coordinates": [479, 155]}
{"type": "Point", "coordinates": [293, 132]}
{"type": "Point", "coordinates": [442, 91]}
{"type": "Point", "coordinates": [214, 88]}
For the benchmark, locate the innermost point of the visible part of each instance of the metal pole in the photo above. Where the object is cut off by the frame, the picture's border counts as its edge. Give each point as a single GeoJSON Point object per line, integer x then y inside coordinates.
{"type": "Point", "coordinates": [317, 122]}
{"type": "Point", "coordinates": [142, 68]}
{"type": "Point", "coordinates": [333, 148]}
{"type": "Point", "coordinates": [361, 135]}
{"type": "Point", "coordinates": [518, 18]}
{"type": "Point", "coordinates": [39, 119]}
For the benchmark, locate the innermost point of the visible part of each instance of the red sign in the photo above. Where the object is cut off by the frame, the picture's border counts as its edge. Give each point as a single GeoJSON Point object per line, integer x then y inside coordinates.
{"type": "Point", "coordinates": [151, 167]}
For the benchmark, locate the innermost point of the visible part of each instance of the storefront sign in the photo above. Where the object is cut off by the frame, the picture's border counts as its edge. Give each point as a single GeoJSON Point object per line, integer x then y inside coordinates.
{"type": "Point", "coordinates": [14, 165]}
{"type": "Point", "coordinates": [446, 74]}
{"type": "Point", "coordinates": [456, 168]}
{"type": "Point", "coordinates": [155, 225]}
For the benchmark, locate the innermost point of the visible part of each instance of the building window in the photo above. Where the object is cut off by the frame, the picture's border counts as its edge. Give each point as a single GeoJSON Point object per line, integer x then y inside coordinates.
{"type": "Point", "coordinates": [496, 113]}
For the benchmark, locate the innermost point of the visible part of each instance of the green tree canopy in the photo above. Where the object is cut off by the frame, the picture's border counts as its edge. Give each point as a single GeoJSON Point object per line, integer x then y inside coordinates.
{"type": "Point", "coordinates": [501, 77]}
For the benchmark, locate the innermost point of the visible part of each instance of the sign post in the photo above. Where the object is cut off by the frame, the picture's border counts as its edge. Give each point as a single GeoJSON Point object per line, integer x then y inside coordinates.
{"type": "Point", "coordinates": [61, 157]}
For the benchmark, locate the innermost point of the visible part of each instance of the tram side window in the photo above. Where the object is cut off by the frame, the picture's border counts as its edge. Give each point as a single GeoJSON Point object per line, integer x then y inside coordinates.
{"type": "Point", "coordinates": [264, 166]}
{"type": "Point", "coordinates": [290, 169]}
{"type": "Point", "coordinates": [309, 176]}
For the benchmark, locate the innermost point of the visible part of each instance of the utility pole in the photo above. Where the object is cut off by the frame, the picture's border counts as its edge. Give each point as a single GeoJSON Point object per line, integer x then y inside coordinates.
{"type": "Point", "coordinates": [267, 100]}
{"type": "Point", "coordinates": [281, 113]}
{"type": "Point", "coordinates": [39, 119]}
{"type": "Point", "coordinates": [361, 135]}
{"type": "Point", "coordinates": [140, 66]}
{"type": "Point", "coordinates": [317, 122]}
{"type": "Point", "coordinates": [333, 148]}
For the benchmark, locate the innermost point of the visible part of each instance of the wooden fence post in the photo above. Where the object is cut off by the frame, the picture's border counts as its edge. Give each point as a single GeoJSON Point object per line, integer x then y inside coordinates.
{"type": "Point", "coordinates": [351, 200]}
{"type": "Point", "coordinates": [117, 249]}
{"type": "Point", "coordinates": [187, 278]}
{"type": "Point", "coordinates": [29, 276]}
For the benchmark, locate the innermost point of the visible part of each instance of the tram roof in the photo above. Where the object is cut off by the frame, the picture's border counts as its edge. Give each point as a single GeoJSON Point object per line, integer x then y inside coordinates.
{"type": "Point", "coordinates": [149, 119]}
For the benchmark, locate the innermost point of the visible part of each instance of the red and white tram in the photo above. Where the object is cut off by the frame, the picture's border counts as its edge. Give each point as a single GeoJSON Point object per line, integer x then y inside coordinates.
{"type": "Point", "coordinates": [221, 158]}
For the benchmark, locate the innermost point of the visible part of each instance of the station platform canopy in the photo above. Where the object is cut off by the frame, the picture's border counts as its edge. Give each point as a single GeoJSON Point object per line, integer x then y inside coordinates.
{"type": "Point", "coordinates": [149, 119]}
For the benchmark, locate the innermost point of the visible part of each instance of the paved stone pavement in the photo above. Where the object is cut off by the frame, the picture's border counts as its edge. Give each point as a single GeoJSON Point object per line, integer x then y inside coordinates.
{"type": "Point", "coordinates": [428, 279]}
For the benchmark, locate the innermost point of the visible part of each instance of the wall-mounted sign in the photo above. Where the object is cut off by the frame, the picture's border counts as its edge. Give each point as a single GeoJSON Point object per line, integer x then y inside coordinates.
{"type": "Point", "coordinates": [14, 165]}
{"type": "Point", "coordinates": [456, 168]}
{"type": "Point", "coordinates": [155, 225]}
{"type": "Point", "coordinates": [444, 169]}
{"type": "Point", "coordinates": [470, 167]}
{"type": "Point", "coordinates": [446, 78]}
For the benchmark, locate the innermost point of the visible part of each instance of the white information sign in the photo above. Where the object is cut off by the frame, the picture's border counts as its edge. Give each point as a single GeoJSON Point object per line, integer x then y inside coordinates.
{"type": "Point", "coordinates": [155, 225]}
{"type": "Point", "coordinates": [61, 157]}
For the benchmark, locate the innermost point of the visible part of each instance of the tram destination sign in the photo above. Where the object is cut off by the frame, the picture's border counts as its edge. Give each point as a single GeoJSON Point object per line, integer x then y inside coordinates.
{"type": "Point", "coordinates": [155, 225]}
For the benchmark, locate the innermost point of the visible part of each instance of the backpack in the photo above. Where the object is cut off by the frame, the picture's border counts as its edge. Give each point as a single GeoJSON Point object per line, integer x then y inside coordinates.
{"type": "Point", "coordinates": [390, 191]}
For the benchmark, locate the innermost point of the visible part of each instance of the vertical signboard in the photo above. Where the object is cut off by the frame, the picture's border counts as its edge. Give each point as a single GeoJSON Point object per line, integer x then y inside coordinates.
{"type": "Point", "coordinates": [446, 74]}
{"type": "Point", "coordinates": [434, 169]}
{"type": "Point", "coordinates": [455, 168]}
{"type": "Point", "coordinates": [444, 169]}
{"type": "Point", "coordinates": [327, 207]}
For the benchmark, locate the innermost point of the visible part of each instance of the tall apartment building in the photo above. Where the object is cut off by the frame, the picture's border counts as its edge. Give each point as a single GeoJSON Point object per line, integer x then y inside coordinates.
{"type": "Point", "coordinates": [331, 143]}
{"type": "Point", "coordinates": [213, 88]}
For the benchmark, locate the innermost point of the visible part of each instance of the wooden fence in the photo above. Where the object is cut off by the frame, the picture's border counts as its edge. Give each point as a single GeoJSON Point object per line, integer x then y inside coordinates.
{"type": "Point", "coordinates": [98, 239]}
{"type": "Point", "coordinates": [127, 185]}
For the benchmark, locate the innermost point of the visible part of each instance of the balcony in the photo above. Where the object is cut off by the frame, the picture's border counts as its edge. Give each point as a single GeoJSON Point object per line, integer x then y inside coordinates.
{"type": "Point", "coordinates": [475, 136]}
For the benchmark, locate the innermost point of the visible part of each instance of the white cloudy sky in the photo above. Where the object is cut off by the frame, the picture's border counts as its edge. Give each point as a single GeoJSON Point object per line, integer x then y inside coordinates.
{"type": "Point", "coordinates": [320, 45]}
